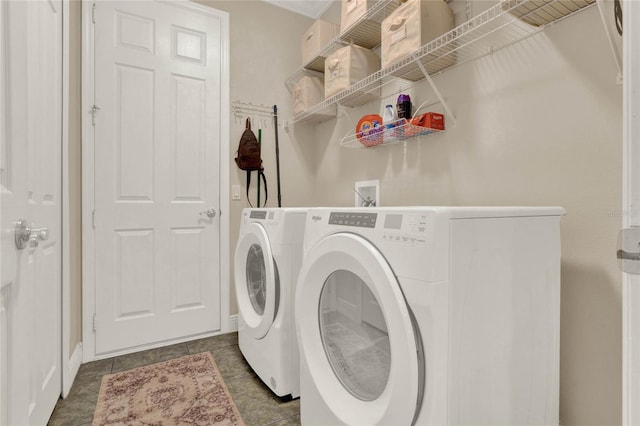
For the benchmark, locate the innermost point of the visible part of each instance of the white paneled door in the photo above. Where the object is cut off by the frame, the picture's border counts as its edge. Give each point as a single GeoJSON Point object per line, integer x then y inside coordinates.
{"type": "Point", "coordinates": [157, 144]}
{"type": "Point", "coordinates": [30, 185]}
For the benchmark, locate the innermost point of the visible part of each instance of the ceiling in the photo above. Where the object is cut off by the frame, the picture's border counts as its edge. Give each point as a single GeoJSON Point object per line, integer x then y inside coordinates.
{"type": "Point", "coordinates": [311, 8]}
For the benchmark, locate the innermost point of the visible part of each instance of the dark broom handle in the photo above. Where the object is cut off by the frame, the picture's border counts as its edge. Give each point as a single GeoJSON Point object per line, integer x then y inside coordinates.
{"type": "Point", "coordinates": [275, 117]}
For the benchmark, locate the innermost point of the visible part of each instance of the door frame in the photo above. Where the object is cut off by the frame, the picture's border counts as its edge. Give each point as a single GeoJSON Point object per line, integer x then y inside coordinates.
{"type": "Point", "coordinates": [4, 59]}
{"type": "Point", "coordinates": [630, 203]}
{"type": "Point", "coordinates": [227, 323]}
{"type": "Point", "coordinates": [70, 361]}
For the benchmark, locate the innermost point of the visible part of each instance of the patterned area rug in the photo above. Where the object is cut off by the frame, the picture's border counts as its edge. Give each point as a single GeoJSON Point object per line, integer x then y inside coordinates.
{"type": "Point", "coordinates": [182, 391]}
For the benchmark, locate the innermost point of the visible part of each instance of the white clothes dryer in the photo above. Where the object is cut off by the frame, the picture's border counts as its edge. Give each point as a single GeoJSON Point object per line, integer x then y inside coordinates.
{"type": "Point", "coordinates": [267, 262]}
{"type": "Point", "coordinates": [430, 316]}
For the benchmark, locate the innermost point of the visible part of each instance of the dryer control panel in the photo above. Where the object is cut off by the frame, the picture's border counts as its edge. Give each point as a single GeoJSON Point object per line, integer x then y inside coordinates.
{"type": "Point", "coordinates": [357, 219]}
{"type": "Point", "coordinates": [405, 228]}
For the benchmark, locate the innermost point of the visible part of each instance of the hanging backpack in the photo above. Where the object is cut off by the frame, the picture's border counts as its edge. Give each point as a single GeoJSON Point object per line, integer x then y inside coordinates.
{"type": "Point", "coordinates": [248, 158]}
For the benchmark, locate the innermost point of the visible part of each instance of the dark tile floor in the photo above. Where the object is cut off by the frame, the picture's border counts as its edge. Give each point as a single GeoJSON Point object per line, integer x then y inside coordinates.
{"type": "Point", "coordinates": [257, 404]}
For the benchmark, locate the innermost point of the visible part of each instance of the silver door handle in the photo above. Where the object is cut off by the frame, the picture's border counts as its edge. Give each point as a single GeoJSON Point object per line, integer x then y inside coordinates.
{"type": "Point", "coordinates": [211, 213]}
{"type": "Point", "coordinates": [25, 234]}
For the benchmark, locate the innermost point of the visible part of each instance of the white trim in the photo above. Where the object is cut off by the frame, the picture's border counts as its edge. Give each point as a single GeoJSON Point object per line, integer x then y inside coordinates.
{"type": "Point", "coordinates": [72, 368]}
{"type": "Point", "coordinates": [225, 222]}
{"type": "Point", "coordinates": [67, 375]}
{"type": "Point", "coordinates": [630, 194]}
{"type": "Point", "coordinates": [88, 201]}
{"type": "Point", "coordinates": [88, 283]}
{"type": "Point", "coordinates": [157, 345]}
{"type": "Point", "coordinates": [4, 371]}
{"type": "Point", "coordinates": [233, 323]}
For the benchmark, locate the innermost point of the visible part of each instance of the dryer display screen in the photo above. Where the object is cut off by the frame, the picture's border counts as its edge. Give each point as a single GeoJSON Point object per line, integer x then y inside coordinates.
{"type": "Point", "coordinates": [362, 220]}
{"type": "Point", "coordinates": [258, 214]}
{"type": "Point", "coordinates": [393, 221]}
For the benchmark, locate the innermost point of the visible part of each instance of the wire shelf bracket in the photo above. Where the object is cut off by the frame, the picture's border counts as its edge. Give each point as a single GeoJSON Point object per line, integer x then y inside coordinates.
{"type": "Point", "coordinates": [451, 118]}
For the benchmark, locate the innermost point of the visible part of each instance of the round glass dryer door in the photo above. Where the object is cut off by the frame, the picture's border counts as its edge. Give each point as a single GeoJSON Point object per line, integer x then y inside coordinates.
{"type": "Point", "coordinates": [356, 334]}
{"type": "Point", "coordinates": [256, 280]}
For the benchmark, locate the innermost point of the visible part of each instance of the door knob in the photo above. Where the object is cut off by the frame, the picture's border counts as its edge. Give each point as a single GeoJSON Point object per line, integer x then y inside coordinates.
{"type": "Point", "coordinates": [25, 234]}
{"type": "Point", "coordinates": [211, 213]}
{"type": "Point", "coordinates": [37, 235]}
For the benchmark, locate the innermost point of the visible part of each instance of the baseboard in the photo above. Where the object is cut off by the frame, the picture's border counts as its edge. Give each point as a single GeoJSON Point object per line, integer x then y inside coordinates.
{"type": "Point", "coordinates": [72, 370]}
{"type": "Point", "coordinates": [233, 323]}
{"type": "Point", "coordinates": [230, 326]}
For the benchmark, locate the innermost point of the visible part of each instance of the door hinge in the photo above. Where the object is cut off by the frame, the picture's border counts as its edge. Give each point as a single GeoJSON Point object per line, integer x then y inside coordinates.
{"type": "Point", "coordinates": [94, 323]}
{"type": "Point", "coordinates": [93, 219]}
{"type": "Point", "coordinates": [93, 111]}
{"type": "Point", "coordinates": [93, 13]}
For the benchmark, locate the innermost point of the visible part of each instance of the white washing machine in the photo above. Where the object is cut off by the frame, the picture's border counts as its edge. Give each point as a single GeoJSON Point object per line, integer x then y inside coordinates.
{"type": "Point", "coordinates": [267, 262]}
{"type": "Point", "coordinates": [430, 316]}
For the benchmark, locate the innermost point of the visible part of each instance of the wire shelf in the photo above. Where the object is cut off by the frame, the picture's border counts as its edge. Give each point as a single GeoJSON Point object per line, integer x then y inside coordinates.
{"type": "Point", "coordinates": [504, 24]}
{"type": "Point", "coordinates": [387, 136]}
{"type": "Point", "coordinates": [366, 30]}
{"type": "Point", "coordinates": [549, 11]}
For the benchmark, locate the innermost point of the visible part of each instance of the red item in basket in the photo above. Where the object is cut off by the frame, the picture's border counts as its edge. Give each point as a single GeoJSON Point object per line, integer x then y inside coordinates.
{"type": "Point", "coordinates": [431, 120]}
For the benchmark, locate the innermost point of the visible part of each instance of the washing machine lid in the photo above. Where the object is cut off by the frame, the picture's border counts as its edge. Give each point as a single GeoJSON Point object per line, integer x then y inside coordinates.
{"type": "Point", "coordinates": [344, 351]}
{"type": "Point", "coordinates": [256, 280]}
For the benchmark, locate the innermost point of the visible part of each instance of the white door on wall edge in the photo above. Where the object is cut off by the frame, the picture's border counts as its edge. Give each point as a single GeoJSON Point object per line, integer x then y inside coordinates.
{"type": "Point", "coordinates": [30, 189]}
{"type": "Point", "coordinates": [157, 156]}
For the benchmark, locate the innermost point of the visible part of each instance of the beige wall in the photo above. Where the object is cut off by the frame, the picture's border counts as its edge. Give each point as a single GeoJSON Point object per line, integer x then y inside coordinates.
{"type": "Point", "coordinates": [538, 123]}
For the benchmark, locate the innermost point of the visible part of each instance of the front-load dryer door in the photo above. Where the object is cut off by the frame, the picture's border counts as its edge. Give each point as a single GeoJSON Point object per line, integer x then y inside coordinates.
{"type": "Point", "coordinates": [356, 333]}
{"type": "Point", "coordinates": [256, 280]}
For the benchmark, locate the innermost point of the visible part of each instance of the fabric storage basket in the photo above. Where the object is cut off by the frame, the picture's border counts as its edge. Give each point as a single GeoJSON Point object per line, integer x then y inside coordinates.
{"type": "Point", "coordinates": [352, 10]}
{"type": "Point", "coordinates": [413, 25]}
{"type": "Point", "coordinates": [347, 66]}
{"type": "Point", "coordinates": [316, 38]}
{"type": "Point", "coordinates": [307, 92]}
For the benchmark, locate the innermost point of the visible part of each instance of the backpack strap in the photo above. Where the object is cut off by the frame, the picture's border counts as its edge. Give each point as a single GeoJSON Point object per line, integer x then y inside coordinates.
{"type": "Point", "coordinates": [249, 184]}
{"type": "Point", "coordinates": [266, 192]}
